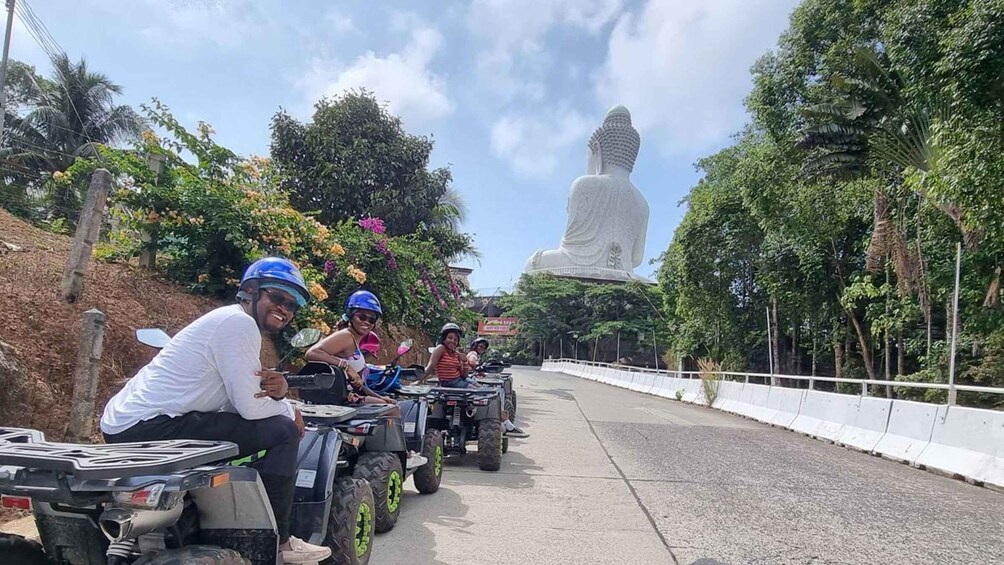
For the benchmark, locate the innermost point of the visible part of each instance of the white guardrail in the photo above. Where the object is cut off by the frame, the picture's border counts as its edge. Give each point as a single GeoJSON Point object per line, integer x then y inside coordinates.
{"type": "Point", "coordinates": [952, 440]}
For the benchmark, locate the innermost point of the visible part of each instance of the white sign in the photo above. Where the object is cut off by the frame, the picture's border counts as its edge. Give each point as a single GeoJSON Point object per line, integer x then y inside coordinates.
{"type": "Point", "coordinates": [305, 478]}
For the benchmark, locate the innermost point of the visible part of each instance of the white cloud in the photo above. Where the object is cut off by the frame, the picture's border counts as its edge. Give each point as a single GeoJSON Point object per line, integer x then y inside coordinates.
{"type": "Point", "coordinates": [513, 61]}
{"type": "Point", "coordinates": [340, 23]}
{"type": "Point", "coordinates": [682, 68]}
{"type": "Point", "coordinates": [187, 24]}
{"type": "Point", "coordinates": [534, 144]}
{"type": "Point", "coordinates": [403, 79]}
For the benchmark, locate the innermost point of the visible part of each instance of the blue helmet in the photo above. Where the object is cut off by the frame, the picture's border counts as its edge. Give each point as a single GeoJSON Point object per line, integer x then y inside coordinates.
{"type": "Point", "coordinates": [280, 272]}
{"type": "Point", "coordinates": [363, 300]}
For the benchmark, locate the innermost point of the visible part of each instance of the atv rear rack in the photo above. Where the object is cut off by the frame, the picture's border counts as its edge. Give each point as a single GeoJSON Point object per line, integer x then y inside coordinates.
{"type": "Point", "coordinates": [110, 461]}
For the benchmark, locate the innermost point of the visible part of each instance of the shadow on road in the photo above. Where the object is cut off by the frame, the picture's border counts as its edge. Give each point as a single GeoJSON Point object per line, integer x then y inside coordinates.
{"type": "Point", "coordinates": [412, 541]}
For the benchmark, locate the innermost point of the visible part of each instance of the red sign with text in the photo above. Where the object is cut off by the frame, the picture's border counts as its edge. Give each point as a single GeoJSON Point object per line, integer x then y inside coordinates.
{"type": "Point", "coordinates": [497, 326]}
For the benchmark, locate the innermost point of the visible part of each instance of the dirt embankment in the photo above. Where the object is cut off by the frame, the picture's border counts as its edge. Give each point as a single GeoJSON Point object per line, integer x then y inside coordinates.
{"type": "Point", "coordinates": [40, 333]}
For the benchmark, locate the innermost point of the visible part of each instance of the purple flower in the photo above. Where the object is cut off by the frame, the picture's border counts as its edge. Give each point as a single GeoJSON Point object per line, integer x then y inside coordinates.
{"type": "Point", "coordinates": [374, 225]}
{"type": "Point", "coordinates": [329, 266]}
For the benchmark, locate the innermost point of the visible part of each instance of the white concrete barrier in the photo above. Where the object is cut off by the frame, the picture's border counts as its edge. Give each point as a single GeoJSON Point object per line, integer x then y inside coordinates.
{"type": "Point", "coordinates": [960, 444]}
{"type": "Point", "coordinates": [824, 414]}
{"type": "Point", "coordinates": [643, 382]}
{"type": "Point", "coordinates": [753, 402]}
{"type": "Point", "coordinates": [866, 424]}
{"type": "Point", "coordinates": [909, 431]}
{"type": "Point", "coordinates": [729, 394]}
{"type": "Point", "coordinates": [664, 386]}
{"type": "Point", "coordinates": [783, 405]}
{"type": "Point", "coordinates": [692, 391]}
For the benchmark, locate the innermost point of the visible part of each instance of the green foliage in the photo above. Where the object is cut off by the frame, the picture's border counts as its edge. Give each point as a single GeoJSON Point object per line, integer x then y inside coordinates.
{"type": "Point", "coordinates": [50, 122]}
{"type": "Point", "coordinates": [354, 160]}
{"type": "Point", "coordinates": [582, 314]}
{"type": "Point", "coordinates": [876, 144]}
{"type": "Point", "coordinates": [211, 218]}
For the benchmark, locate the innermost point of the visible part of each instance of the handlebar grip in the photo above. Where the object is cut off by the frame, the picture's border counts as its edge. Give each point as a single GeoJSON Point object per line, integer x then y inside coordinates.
{"type": "Point", "coordinates": [321, 381]}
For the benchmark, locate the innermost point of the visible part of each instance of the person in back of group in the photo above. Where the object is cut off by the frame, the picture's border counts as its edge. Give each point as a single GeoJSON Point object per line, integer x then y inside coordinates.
{"type": "Point", "coordinates": [475, 351]}
{"type": "Point", "coordinates": [451, 368]}
{"type": "Point", "coordinates": [208, 384]}
{"type": "Point", "coordinates": [344, 349]}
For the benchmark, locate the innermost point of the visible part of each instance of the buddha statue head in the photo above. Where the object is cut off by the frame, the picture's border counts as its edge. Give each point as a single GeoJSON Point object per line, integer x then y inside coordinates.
{"type": "Point", "coordinates": [616, 142]}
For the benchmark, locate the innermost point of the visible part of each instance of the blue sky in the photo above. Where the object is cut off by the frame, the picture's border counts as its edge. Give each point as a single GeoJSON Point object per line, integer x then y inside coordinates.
{"type": "Point", "coordinates": [510, 91]}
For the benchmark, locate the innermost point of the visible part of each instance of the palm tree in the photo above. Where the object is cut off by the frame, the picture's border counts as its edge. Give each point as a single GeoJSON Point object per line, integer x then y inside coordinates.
{"type": "Point", "coordinates": [66, 117]}
{"type": "Point", "coordinates": [450, 211]}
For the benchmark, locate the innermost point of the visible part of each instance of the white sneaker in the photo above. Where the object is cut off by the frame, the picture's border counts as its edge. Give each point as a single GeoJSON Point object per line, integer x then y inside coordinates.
{"type": "Point", "coordinates": [298, 551]}
{"type": "Point", "coordinates": [416, 460]}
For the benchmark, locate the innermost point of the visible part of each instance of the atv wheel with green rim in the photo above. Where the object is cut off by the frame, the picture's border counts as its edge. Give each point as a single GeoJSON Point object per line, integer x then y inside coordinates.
{"type": "Point", "coordinates": [428, 476]}
{"type": "Point", "coordinates": [351, 522]}
{"type": "Point", "coordinates": [384, 473]}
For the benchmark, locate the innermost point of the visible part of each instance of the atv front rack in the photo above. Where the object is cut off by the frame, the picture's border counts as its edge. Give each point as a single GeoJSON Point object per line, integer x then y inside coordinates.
{"type": "Point", "coordinates": [111, 461]}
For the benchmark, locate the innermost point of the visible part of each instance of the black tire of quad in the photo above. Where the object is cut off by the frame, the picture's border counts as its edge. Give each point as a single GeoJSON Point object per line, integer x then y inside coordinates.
{"type": "Point", "coordinates": [377, 468]}
{"type": "Point", "coordinates": [515, 405]}
{"type": "Point", "coordinates": [17, 550]}
{"type": "Point", "coordinates": [427, 478]}
{"type": "Point", "coordinates": [511, 409]}
{"type": "Point", "coordinates": [490, 445]}
{"type": "Point", "coordinates": [348, 496]}
{"type": "Point", "coordinates": [194, 555]}
{"type": "Point", "coordinates": [505, 444]}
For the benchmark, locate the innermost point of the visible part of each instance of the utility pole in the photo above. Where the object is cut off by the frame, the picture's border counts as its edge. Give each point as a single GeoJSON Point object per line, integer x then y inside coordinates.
{"type": "Point", "coordinates": [955, 325]}
{"type": "Point", "coordinates": [3, 67]}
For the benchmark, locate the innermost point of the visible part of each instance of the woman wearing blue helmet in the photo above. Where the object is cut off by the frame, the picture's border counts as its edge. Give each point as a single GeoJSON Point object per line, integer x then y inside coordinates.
{"type": "Point", "coordinates": [343, 349]}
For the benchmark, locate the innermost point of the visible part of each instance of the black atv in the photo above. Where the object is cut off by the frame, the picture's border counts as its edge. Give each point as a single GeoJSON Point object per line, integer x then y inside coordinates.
{"type": "Point", "coordinates": [166, 502]}
{"type": "Point", "coordinates": [465, 416]}
{"type": "Point", "coordinates": [493, 375]}
{"type": "Point", "coordinates": [374, 445]}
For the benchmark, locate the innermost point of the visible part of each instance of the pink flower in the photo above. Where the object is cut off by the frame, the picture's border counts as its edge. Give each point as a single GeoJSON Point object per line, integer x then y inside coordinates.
{"type": "Point", "coordinates": [374, 225]}
{"type": "Point", "coordinates": [329, 266]}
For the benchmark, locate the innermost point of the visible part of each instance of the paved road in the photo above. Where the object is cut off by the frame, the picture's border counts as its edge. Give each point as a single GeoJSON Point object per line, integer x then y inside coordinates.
{"type": "Point", "coordinates": [614, 476]}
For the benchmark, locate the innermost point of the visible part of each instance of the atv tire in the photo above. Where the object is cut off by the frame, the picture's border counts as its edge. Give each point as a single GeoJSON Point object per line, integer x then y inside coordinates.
{"type": "Point", "coordinates": [515, 406]}
{"type": "Point", "coordinates": [194, 555]}
{"type": "Point", "coordinates": [505, 444]}
{"type": "Point", "coordinates": [510, 408]}
{"type": "Point", "coordinates": [350, 524]}
{"type": "Point", "coordinates": [383, 471]}
{"type": "Point", "coordinates": [490, 445]}
{"type": "Point", "coordinates": [428, 476]}
{"type": "Point", "coordinates": [17, 550]}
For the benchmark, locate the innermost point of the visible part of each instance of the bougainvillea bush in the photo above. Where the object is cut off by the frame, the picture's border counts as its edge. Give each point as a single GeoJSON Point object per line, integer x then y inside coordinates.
{"type": "Point", "coordinates": [210, 212]}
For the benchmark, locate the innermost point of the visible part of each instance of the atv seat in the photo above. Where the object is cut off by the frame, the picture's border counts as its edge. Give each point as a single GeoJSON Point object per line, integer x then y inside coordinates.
{"type": "Point", "coordinates": [414, 390]}
{"type": "Point", "coordinates": [372, 411]}
{"type": "Point", "coordinates": [327, 413]}
{"type": "Point", "coordinates": [117, 460]}
{"type": "Point", "coordinates": [491, 381]}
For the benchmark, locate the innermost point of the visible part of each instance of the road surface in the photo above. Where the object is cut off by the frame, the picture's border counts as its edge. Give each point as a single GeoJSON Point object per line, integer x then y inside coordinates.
{"type": "Point", "coordinates": [619, 477]}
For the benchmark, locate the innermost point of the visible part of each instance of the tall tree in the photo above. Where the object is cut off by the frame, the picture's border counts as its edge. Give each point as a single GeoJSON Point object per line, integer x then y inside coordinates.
{"type": "Point", "coordinates": [64, 117]}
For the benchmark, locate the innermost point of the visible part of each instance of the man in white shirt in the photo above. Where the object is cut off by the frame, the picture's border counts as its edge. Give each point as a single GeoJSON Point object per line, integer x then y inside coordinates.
{"type": "Point", "coordinates": [208, 384]}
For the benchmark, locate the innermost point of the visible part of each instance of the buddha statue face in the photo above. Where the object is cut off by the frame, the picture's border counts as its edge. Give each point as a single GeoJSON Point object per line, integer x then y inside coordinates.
{"type": "Point", "coordinates": [616, 142]}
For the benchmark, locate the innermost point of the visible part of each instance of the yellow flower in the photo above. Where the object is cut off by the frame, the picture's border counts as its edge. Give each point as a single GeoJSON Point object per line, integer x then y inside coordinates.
{"type": "Point", "coordinates": [356, 273]}
{"type": "Point", "coordinates": [203, 278]}
{"type": "Point", "coordinates": [149, 136]}
{"type": "Point", "coordinates": [325, 328]}
{"type": "Point", "coordinates": [337, 250]}
{"type": "Point", "coordinates": [318, 292]}
{"type": "Point", "coordinates": [233, 282]}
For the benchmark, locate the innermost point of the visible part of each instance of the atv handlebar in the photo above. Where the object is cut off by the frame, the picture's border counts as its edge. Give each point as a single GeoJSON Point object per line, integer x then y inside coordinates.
{"type": "Point", "coordinates": [320, 381]}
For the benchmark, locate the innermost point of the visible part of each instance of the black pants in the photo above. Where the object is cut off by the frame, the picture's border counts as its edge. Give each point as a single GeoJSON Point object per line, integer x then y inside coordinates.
{"type": "Point", "coordinates": [278, 435]}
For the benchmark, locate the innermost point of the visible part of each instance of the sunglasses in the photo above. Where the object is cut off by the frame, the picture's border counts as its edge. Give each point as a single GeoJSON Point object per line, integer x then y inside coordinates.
{"type": "Point", "coordinates": [364, 317]}
{"type": "Point", "coordinates": [274, 297]}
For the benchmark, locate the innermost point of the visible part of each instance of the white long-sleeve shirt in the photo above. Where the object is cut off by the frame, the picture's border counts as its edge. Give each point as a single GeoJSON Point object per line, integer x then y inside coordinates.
{"type": "Point", "coordinates": [207, 367]}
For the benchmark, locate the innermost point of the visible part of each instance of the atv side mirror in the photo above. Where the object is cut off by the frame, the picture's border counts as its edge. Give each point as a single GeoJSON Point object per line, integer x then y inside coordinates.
{"type": "Point", "coordinates": [153, 337]}
{"type": "Point", "coordinates": [405, 346]}
{"type": "Point", "coordinates": [305, 338]}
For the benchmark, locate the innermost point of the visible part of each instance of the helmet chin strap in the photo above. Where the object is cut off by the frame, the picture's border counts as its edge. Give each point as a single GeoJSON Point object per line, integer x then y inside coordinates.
{"type": "Point", "coordinates": [253, 297]}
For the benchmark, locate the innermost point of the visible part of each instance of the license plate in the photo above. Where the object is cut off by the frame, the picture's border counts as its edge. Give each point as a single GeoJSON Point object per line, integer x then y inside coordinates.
{"type": "Point", "coordinates": [451, 402]}
{"type": "Point", "coordinates": [409, 427]}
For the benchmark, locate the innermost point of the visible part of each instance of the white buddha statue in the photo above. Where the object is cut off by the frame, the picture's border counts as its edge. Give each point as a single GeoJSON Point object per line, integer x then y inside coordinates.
{"type": "Point", "coordinates": [607, 215]}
